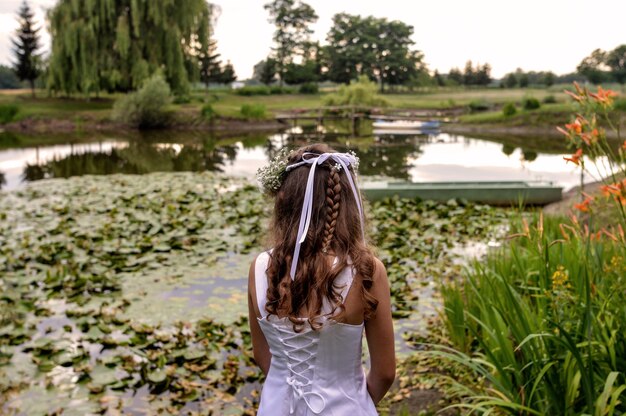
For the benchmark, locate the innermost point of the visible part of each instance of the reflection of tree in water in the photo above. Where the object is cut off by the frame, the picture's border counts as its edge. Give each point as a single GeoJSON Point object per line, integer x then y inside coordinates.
{"type": "Point", "coordinates": [529, 155]}
{"type": "Point", "coordinates": [137, 158]}
{"type": "Point", "coordinates": [508, 149]}
{"type": "Point", "coordinates": [389, 158]}
{"type": "Point", "coordinates": [3, 180]}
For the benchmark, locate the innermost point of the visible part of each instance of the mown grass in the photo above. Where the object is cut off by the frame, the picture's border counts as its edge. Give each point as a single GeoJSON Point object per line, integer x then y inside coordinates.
{"type": "Point", "coordinates": [227, 104]}
{"type": "Point", "coordinates": [547, 114]}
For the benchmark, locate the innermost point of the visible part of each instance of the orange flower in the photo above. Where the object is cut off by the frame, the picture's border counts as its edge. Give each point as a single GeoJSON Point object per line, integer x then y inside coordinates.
{"type": "Point", "coordinates": [575, 159]}
{"type": "Point", "coordinates": [608, 190]}
{"type": "Point", "coordinates": [603, 96]}
{"type": "Point", "coordinates": [624, 145]}
{"type": "Point", "coordinates": [574, 96]}
{"type": "Point", "coordinates": [584, 206]}
{"type": "Point", "coordinates": [575, 127]}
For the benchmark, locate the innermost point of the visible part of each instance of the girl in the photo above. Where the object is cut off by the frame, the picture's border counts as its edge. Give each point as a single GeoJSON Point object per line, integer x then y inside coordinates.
{"type": "Point", "coordinates": [311, 296]}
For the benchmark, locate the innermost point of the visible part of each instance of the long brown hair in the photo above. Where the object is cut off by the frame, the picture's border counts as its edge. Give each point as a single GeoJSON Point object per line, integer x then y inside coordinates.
{"type": "Point", "coordinates": [335, 228]}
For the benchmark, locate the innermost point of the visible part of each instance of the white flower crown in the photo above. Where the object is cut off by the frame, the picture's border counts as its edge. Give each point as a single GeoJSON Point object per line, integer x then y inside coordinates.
{"type": "Point", "coordinates": [271, 176]}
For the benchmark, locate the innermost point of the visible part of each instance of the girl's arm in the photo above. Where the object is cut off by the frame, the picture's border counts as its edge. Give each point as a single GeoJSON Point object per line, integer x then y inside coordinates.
{"type": "Point", "coordinates": [260, 348]}
{"type": "Point", "coordinates": [380, 340]}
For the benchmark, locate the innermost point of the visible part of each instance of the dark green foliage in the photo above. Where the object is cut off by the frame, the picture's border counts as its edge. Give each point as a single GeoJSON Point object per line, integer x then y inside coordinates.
{"type": "Point", "coordinates": [146, 108]}
{"type": "Point", "coordinates": [550, 99]}
{"type": "Point", "coordinates": [292, 19]}
{"type": "Point", "coordinates": [208, 112]}
{"type": "Point", "coordinates": [620, 104]}
{"type": "Point", "coordinates": [308, 88]}
{"type": "Point", "coordinates": [8, 79]}
{"type": "Point", "coordinates": [278, 90]}
{"type": "Point", "coordinates": [306, 72]}
{"type": "Point", "coordinates": [228, 75]}
{"type": "Point", "coordinates": [25, 47]}
{"type": "Point", "coordinates": [476, 75]}
{"type": "Point", "coordinates": [455, 76]}
{"type": "Point", "coordinates": [253, 90]}
{"type": "Point", "coordinates": [530, 103]}
{"type": "Point", "coordinates": [115, 45]}
{"type": "Point", "coordinates": [210, 65]}
{"type": "Point", "coordinates": [8, 112]}
{"type": "Point", "coordinates": [510, 81]}
{"type": "Point", "coordinates": [593, 67]}
{"type": "Point", "coordinates": [616, 61]}
{"type": "Point", "coordinates": [265, 71]}
{"type": "Point", "coordinates": [509, 110]}
{"type": "Point", "coordinates": [523, 80]}
{"type": "Point", "coordinates": [478, 106]}
{"type": "Point", "coordinates": [374, 47]}
{"type": "Point", "coordinates": [253, 111]}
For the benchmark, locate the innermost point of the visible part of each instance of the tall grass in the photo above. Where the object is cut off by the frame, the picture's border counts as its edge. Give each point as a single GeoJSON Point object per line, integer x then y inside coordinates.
{"type": "Point", "coordinates": [543, 320]}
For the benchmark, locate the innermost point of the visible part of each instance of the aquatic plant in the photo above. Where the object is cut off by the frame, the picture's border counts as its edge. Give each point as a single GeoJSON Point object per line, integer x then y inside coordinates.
{"type": "Point", "coordinates": [542, 320]}
{"type": "Point", "coordinates": [127, 291]}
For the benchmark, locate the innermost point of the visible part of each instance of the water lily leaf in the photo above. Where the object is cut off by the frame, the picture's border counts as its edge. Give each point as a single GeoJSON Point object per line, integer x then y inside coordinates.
{"type": "Point", "coordinates": [157, 376]}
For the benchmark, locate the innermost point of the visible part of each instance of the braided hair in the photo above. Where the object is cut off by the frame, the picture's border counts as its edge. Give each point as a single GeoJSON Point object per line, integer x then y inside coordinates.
{"type": "Point", "coordinates": [335, 230]}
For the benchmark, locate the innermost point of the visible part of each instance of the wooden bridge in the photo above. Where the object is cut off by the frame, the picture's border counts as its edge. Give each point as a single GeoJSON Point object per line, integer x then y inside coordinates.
{"type": "Point", "coordinates": [357, 113]}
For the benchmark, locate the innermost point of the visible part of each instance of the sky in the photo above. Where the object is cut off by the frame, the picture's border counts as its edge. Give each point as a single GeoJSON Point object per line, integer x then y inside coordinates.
{"type": "Point", "coordinates": [532, 34]}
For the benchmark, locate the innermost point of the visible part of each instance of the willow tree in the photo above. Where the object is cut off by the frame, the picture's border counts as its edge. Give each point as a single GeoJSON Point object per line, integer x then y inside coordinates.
{"type": "Point", "coordinates": [114, 45]}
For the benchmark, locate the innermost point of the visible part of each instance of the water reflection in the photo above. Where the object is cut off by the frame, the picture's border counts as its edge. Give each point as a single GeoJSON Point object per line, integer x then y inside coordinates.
{"type": "Point", "coordinates": [419, 157]}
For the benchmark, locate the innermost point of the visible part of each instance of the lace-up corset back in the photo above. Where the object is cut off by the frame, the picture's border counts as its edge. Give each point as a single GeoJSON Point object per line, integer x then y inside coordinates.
{"type": "Point", "coordinates": [312, 372]}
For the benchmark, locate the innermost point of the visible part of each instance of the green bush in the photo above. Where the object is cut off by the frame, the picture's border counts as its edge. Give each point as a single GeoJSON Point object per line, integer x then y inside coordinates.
{"type": "Point", "coordinates": [509, 110]}
{"type": "Point", "coordinates": [249, 91]}
{"type": "Point", "coordinates": [550, 99]}
{"type": "Point", "coordinates": [208, 112]}
{"type": "Point", "coordinates": [309, 88]}
{"type": "Point", "coordinates": [530, 103]}
{"type": "Point", "coordinates": [182, 99]}
{"type": "Point", "coordinates": [477, 106]}
{"type": "Point", "coordinates": [543, 320]}
{"type": "Point", "coordinates": [362, 92]}
{"type": "Point", "coordinates": [620, 104]}
{"type": "Point", "coordinates": [147, 107]}
{"type": "Point", "coordinates": [253, 111]}
{"type": "Point", "coordinates": [8, 112]}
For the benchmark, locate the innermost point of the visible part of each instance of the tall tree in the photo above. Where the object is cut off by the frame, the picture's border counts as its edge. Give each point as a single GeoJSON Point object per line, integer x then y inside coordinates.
{"type": "Point", "coordinates": [616, 60]}
{"type": "Point", "coordinates": [292, 19]}
{"type": "Point", "coordinates": [594, 67]}
{"type": "Point", "coordinates": [25, 47]}
{"type": "Point", "coordinates": [116, 44]}
{"type": "Point", "coordinates": [228, 75]}
{"type": "Point", "coordinates": [265, 71]}
{"type": "Point", "coordinates": [377, 48]}
{"type": "Point", "coordinates": [210, 65]}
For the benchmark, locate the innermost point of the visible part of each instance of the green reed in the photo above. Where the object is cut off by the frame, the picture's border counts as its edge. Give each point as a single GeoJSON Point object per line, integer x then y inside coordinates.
{"type": "Point", "coordinates": [543, 321]}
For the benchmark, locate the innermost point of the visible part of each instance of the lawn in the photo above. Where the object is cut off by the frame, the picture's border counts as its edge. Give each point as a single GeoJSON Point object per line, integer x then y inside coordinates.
{"type": "Point", "coordinates": [228, 104]}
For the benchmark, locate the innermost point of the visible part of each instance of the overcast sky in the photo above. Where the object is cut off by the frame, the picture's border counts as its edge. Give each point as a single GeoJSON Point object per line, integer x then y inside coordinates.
{"type": "Point", "coordinates": [532, 34]}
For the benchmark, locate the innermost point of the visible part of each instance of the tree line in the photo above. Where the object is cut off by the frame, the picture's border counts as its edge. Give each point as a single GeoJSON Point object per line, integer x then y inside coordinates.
{"type": "Point", "coordinates": [115, 45]}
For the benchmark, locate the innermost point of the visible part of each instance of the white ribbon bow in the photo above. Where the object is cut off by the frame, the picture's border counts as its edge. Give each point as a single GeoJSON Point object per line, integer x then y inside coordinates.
{"type": "Point", "coordinates": [344, 160]}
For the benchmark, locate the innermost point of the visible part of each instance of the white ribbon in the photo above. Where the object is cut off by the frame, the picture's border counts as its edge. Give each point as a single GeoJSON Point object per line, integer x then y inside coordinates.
{"type": "Point", "coordinates": [344, 160]}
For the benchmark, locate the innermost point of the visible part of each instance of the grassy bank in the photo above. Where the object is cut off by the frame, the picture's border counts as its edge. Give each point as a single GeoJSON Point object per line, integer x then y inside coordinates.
{"type": "Point", "coordinates": [228, 104]}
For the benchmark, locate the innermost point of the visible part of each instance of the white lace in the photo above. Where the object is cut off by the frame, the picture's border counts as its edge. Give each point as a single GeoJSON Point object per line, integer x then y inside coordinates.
{"type": "Point", "coordinates": [301, 370]}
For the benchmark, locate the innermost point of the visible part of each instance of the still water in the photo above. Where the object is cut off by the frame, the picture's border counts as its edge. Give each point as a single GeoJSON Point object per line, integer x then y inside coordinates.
{"type": "Point", "coordinates": [424, 157]}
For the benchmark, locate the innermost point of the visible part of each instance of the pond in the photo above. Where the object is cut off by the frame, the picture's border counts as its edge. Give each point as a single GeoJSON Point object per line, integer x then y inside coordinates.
{"type": "Point", "coordinates": [422, 157]}
{"type": "Point", "coordinates": [126, 292]}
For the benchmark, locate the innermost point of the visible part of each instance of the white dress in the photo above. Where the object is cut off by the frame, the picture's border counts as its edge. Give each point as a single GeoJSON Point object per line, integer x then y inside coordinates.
{"type": "Point", "coordinates": [312, 372]}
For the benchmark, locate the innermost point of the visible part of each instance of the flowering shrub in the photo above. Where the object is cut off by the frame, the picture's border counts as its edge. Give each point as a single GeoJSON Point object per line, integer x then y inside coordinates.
{"type": "Point", "coordinates": [543, 320]}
